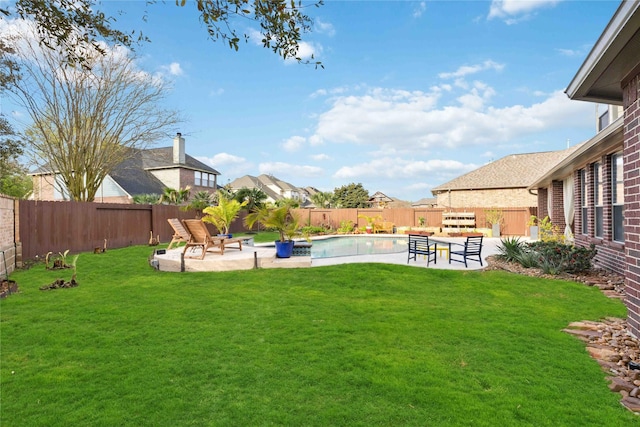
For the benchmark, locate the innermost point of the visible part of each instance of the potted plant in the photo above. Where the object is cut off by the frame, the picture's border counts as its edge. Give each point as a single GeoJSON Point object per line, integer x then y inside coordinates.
{"type": "Point", "coordinates": [494, 217]}
{"type": "Point", "coordinates": [222, 215]}
{"type": "Point", "coordinates": [280, 219]}
{"type": "Point", "coordinates": [533, 227]}
{"type": "Point", "coordinates": [370, 221]}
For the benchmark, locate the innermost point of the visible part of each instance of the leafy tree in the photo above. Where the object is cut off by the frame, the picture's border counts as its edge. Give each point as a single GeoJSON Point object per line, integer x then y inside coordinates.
{"type": "Point", "coordinates": [15, 180]}
{"type": "Point", "coordinates": [85, 122]}
{"type": "Point", "coordinates": [351, 196]}
{"type": "Point", "coordinates": [78, 26]}
{"type": "Point", "coordinates": [253, 197]}
{"type": "Point", "coordinates": [322, 199]}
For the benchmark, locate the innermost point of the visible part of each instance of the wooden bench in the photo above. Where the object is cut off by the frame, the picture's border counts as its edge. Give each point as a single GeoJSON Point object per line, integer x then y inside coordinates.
{"type": "Point", "coordinates": [419, 245]}
{"type": "Point", "coordinates": [383, 227]}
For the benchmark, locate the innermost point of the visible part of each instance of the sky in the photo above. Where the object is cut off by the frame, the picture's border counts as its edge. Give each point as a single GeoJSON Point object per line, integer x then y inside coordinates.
{"type": "Point", "coordinates": [412, 93]}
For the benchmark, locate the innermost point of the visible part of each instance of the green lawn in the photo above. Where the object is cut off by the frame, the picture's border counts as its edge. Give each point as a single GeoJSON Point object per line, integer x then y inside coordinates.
{"type": "Point", "coordinates": [348, 345]}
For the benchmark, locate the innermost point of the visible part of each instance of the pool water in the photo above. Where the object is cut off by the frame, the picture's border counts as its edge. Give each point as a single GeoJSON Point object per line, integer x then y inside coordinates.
{"type": "Point", "coordinates": [357, 245]}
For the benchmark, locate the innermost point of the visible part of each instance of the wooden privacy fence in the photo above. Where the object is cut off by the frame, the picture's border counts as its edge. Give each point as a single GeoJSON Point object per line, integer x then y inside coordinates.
{"type": "Point", "coordinates": [514, 222]}
{"type": "Point", "coordinates": [44, 226]}
{"type": "Point", "coordinates": [79, 226]}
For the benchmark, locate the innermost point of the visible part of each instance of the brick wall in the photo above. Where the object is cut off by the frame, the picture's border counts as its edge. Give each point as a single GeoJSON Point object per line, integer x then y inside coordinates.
{"type": "Point", "coordinates": [631, 103]}
{"type": "Point", "coordinates": [503, 198]}
{"type": "Point", "coordinates": [543, 210]}
{"type": "Point", "coordinates": [557, 205]}
{"type": "Point", "coordinates": [7, 236]}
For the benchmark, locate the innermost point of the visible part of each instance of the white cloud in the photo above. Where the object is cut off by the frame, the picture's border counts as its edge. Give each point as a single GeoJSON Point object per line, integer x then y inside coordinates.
{"type": "Point", "coordinates": [294, 143]}
{"type": "Point", "coordinates": [288, 171]}
{"type": "Point", "coordinates": [413, 122]}
{"type": "Point", "coordinates": [173, 69]}
{"type": "Point", "coordinates": [465, 70]}
{"type": "Point", "coordinates": [580, 52]}
{"type": "Point", "coordinates": [419, 10]}
{"type": "Point", "coordinates": [307, 50]}
{"type": "Point", "coordinates": [216, 92]}
{"type": "Point", "coordinates": [513, 11]}
{"type": "Point", "coordinates": [320, 157]}
{"type": "Point", "coordinates": [228, 165]}
{"type": "Point", "coordinates": [324, 27]}
{"type": "Point", "coordinates": [398, 168]}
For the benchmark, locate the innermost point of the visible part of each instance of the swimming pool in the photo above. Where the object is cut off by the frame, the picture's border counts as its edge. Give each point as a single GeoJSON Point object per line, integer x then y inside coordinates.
{"type": "Point", "coordinates": [357, 245]}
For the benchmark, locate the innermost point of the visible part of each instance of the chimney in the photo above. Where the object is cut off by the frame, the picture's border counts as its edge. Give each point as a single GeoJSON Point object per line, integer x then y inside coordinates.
{"type": "Point", "coordinates": [178, 149]}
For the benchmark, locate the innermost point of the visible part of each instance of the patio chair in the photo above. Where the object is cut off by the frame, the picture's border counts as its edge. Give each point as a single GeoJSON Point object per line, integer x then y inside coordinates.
{"type": "Point", "coordinates": [199, 237]}
{"type": "Point", "coordinates": [469, 250]}
{"type": "Point", "coordinates": [419, 245]}
{"type": "Point", "coordinates": [179, 232]}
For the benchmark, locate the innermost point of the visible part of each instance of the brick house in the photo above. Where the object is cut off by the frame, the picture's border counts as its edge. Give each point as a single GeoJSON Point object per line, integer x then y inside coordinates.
{"type": "Point", "coordinates": [503, 183]}
{"type": "Point", "coordinates": [583, 194]}
{"type": "Point", "coordinates": [606, 172]}
{"type": "Point", "coordinates": [145, 172]}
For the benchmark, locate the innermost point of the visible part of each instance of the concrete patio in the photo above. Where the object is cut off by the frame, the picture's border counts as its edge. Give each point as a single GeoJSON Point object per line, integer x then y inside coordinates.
{"type": "Point", "coordinates": [264, 256]}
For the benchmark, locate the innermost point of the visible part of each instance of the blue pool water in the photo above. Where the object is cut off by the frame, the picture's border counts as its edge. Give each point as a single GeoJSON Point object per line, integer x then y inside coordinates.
{"type": "Point", "coordinates": [357, 245]}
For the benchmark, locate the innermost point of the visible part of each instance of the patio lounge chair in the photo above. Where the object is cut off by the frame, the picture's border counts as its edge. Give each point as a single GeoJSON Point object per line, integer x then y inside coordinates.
{"type": "Point", "coordinates": [199, 237]}
{"type": "Point", "coordinates": [470, 249]}
{"type": "Point", "coordinates": [179, 232]}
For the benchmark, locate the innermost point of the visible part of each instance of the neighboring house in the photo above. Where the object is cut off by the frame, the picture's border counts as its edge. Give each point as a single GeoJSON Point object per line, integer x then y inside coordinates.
{"type": "Point", "coordinates": [380, 200]}
{"type": "Point", "coordinates": [609, 166]}
{"type": "Point", "coordinates": [145, 172]}
{"type": "Point", "coordinates": [427, 202]}
{"type": "Point", "coordinates": [274, 188]}
{"type": "Point", "coordinates": [502, 183]}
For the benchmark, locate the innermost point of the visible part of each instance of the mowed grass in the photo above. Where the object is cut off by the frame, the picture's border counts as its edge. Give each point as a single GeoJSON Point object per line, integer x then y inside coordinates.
{"type": "Point", "coordinates": [348, 345]}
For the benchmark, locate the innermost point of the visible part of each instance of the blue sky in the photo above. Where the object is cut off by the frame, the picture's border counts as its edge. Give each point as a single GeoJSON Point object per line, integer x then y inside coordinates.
{"type": "Point", "coordinates": [412, 95]}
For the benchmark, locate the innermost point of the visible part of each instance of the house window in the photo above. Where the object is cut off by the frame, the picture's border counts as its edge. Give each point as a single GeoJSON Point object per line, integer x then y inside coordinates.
{"type": "Point", "coordinates": [598, 198]}
{"type": "Point", "coordinates": [212, 180]}
{"type": "Point", "coordinates": [583, 201]}
{"type": "Point", "coordinates": [617, 197]}
{"type": "Point", "coordinates": [197, 178]}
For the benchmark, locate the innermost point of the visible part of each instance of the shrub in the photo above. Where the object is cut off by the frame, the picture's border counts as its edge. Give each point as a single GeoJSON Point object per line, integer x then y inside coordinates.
{"type": "Point", "coordinates": [313, 229]}
{"type": "Point", "coordinates": [510, 249]}
{"type": "Point", "coordinates": [528, 258]}
{"type": "Point", "coordinates": [568, 258]}
{"type": "Point", "coordinates": [346, 226]}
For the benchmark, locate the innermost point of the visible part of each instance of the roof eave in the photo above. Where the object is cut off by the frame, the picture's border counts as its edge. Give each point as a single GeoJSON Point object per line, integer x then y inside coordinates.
{"type": "Point", "coordinates": [603, 142]}
{"type": "Point", "coordinates": [599, 77]}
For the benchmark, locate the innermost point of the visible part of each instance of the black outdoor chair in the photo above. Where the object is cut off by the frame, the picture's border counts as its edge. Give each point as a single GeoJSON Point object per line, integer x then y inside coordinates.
{"type": "Point", "coordinates": [470, 250]}
{"type": "Point", "coordinates": [419, 245]}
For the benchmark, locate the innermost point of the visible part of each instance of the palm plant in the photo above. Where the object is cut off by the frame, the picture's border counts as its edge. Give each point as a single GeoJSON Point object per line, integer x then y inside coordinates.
{"type": "Point", "coordinates": [322, 199]}
{"type": "Point", "coordinates": [253, 197]}
{"type": "Point", "coordinates": [171, 196]}
{"type": "Point", "coordinates": [280, 219]}
{"type": "Point", "coordinates": [222, 215]}
{"type": "Point", "coordinates": [146, 199]}
{"type": "Point", "coordinates": [200, 201]}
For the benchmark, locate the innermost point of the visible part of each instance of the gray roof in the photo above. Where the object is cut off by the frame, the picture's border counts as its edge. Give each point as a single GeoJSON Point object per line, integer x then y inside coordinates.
{"type": "Point", "coordinates": [249, 181]}
{"type": "Point", "coordinates": [162, 158]}
{"type": "Point", "coordinates": [512, 171]}
{"type": "Point", "coordinates": [134, 179]}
